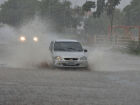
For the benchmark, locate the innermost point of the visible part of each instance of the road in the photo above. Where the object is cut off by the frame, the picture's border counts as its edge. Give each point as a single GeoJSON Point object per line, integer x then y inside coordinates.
{"type": "Point", "coordinates": [62, 87]}
{"type": "Point", "coordinates": [45, 86]}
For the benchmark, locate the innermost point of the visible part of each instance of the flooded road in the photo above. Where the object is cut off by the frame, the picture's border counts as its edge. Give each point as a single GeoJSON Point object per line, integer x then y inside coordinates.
{"type": "Point", "coordinates": [113, 79]}
{"type": "Point", "coordinates": [57, 87]}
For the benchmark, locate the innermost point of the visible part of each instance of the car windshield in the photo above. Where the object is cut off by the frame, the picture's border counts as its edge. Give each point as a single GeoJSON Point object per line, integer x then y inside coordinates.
{"type": "Point", "coordinates": [68, 46]}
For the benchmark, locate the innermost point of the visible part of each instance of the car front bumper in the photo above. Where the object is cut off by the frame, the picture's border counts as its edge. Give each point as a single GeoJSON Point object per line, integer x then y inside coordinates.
{"type": "Point", "coordinates": [75, 64]}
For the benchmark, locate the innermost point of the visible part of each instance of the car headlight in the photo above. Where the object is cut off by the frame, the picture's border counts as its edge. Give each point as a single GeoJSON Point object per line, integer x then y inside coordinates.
{"type": "Point", "coordinates": [58, 58]}
{"type": "Point", "coordinates": [83, 58]}
{"type": "Point", "coordinates": [22, 38]}
{"type": "Point", "coordinates": [35, 39]}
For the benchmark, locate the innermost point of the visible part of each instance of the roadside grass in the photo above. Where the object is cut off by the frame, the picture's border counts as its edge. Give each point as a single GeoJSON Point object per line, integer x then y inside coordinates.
{"type": "Point", "coordinates": [132, 48]}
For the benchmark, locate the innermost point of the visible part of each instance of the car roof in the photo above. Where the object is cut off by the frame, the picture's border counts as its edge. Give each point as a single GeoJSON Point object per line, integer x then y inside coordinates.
{"type": "Point", "coordinates": [66, 40]}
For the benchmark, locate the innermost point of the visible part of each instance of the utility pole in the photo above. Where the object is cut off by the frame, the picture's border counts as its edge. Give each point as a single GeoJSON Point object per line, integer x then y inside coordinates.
{"type": "Point", "coordinates": [64, 15]}
{"type": "Point", "coordinates": [50, 7]}
{"type": "Point", "coordinates": [139, 35]}
{"type": "Point", "coordinates": [86, 33]}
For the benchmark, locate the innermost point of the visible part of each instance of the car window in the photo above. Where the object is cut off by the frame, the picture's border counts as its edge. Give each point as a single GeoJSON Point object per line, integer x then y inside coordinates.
{"type": "Point", "coordinates": [68, 46]}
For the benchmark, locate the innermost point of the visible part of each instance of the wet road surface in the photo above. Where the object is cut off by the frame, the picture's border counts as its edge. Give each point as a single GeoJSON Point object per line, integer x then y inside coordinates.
{"type": "Point", "coordinates": [62, 87]}
{"type": "Point", "coordinates": [114, 80]}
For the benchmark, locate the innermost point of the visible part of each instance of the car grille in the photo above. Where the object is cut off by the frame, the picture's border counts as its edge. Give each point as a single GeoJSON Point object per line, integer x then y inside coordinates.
{"type": "Point", "coordinates": [74, 59]}
{"type": "Point", "coordinates": [64, 64]}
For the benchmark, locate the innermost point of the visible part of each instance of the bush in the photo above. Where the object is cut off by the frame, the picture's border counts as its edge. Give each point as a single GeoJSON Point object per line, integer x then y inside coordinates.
{"type": "Point", "coordinates": [134, 48]}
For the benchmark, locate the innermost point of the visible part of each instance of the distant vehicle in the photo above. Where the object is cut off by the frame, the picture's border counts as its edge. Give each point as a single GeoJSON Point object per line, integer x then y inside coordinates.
{"type": "Point", "coordinates": [23, 39]}
{"type": "Point", "coordinates": [68, 53]}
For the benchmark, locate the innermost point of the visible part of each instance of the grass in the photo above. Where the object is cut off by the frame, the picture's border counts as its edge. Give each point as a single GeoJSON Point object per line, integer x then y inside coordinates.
{"type": "Point", "coordinates": [134, 48]}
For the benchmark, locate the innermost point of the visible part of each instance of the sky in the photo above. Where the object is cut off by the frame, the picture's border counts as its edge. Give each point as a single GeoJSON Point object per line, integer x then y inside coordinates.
{"type": "Point", "coordinates": [1, 1]}
{"type": "Point", "coordinates": [80, 2]}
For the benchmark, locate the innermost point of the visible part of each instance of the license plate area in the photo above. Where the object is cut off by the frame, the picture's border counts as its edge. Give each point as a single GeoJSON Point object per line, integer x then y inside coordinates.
{"type": "Point", "coordinates": [70, 63]}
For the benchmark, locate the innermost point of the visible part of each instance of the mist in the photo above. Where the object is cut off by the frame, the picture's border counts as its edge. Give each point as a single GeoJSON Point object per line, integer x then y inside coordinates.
{"type": "Point", "coordinates": [30, 54]}
{"type": "Point", "coordinates": [107, 60]}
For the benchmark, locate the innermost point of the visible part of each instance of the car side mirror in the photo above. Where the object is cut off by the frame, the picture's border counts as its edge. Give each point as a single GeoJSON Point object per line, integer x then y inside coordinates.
{"type": "Point", "coordinates": [85, 50]}
{"type": "Point", "coordinates": [50, 49]}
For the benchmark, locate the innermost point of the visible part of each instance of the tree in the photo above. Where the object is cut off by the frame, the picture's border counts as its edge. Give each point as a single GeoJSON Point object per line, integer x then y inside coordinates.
{"type": "Point", "coordinates": [118, 17]}
{"type": "Point", "coordinates": [107, 7]}
{"type": "Point", "coordinates": [100, 8]}
{"type": "Point", "coordinates": [103, 6]}
{"type": "Point", "coordinates": [110, 9]}
{"type": "Point", "coordinates": [14, 12]}
{"type": "Point", "coordinates": [60, 13]}
{"type": "Point", "coordinates": [88, 5]}
{"type": "Point", "coordinates": [77, 16]}
{"type": "Point", "coordinates": [97, 26]}
{"type": "Point", "coordinates": [132, 13]}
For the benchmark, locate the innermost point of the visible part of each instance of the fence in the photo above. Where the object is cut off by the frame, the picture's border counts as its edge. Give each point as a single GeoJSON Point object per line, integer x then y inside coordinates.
{"type": "Point", "coordinates": [103, 40]}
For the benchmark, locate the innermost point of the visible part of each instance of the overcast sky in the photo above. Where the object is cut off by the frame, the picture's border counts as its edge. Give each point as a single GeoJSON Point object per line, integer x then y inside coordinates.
{"type": "Point", "coordinates": [1, 1]}
{"type": "Point", "coordinates": [80, 2]}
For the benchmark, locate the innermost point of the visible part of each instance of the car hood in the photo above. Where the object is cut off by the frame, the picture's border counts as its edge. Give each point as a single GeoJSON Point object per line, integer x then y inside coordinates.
{"type": "Point", "coordinates": [69, 54]}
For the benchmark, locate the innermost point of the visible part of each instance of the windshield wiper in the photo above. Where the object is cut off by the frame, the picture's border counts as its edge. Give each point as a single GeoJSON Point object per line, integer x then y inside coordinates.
{"type": "Point", "coordinates": [73, 49]}
{"type": "Point", "coordinates": [60, 49]}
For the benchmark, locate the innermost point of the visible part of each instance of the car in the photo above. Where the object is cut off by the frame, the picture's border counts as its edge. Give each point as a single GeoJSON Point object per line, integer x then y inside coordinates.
{"type": "Point", "coordinates": [23, 39]}
{"type": "Point", "coordinates": [68, 53]}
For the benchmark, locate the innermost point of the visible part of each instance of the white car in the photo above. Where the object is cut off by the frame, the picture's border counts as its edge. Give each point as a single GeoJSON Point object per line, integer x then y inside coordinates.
{"type": "Point", "coordinates": [68, 53]}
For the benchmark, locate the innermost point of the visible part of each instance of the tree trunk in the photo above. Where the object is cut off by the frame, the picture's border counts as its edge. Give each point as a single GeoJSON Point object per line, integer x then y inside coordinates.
{"type": "Point", "coordinates": [111, 25]}
{"type": "Point", "coordinates": [111, 22]}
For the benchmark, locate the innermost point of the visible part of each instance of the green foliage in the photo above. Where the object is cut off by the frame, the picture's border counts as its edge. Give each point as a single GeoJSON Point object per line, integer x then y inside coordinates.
{"type": "Point", "coordinates": [134, 48]}
{"type": "Point", "coordinates": [97, 26]}
{"type": "Point", "coordinates": [132, 13]}
{"type": "Point", "coordinates": [88, 5]}
{"type": "Point", "coordinates": [13, 12]}
{"type": "Point", "coordinates": [100, 8]}
{"type": "Point", "coordinates": [110, 10]}
{"type": "Point", "coordinates": [59, 12]}
{"type": "Point", "coordinates": [118, 17]}
{"type": "Point", "coordinates": [110, 6]}
{"type": "Point", "coordinates": [77, 16]}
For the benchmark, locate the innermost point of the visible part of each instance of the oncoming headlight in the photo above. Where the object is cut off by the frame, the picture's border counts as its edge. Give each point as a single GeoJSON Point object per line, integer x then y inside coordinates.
{"type": "Point", "coordinates": [58, 58]}
{"type": "Point", "coordinates": [22, 38]}
{"type": "Point", "coordinates": [35, 39]}
{"type": "Point", "coordinates": [83, 58]}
